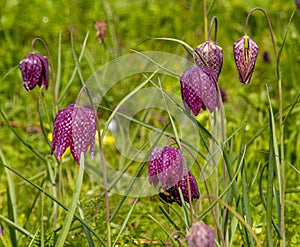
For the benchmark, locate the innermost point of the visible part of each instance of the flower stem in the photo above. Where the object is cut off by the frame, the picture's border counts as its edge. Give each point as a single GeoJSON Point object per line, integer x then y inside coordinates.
{"type": "Point", "coordinates": [51, 67]}
{"type": "Point", "coordinates": [107, 216]}
{"type": "Point", "coordinates": [213, 21]}
{"type": "Point", "coordinates": [281, 127]}
{"type": "Point", "coordinates": [269, 26]}
{"type": "Point", "coordinates": [205, 18]}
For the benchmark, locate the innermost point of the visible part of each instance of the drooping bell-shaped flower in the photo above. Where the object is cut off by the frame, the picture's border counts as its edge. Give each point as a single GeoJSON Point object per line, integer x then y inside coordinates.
{"type": "Point", "coordinates": [200, 235]}
{"type": "Point", "coordinates": [199, 89]}
{"type": "Point", "coordinates": [183, 185]}
{"type": "Point", "coordinates": [74, 127]}
{"type": "Point", "coordinates": [245, 53]}
{"type": "Point", "coordinates": [166, 165]}
{"type": "Point", "coordinates": [34, 70]}
{"type": "Point", "coordinates": [212, 54]}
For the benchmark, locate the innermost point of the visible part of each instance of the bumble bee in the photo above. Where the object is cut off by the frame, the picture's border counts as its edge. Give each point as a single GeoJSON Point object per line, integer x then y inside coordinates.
{"type": "Point", "coordinates": [167, 195]}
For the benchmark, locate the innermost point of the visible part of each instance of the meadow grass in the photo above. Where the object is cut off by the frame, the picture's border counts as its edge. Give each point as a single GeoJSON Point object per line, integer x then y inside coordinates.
{"type": "Point", "coordinates": [249, 196]}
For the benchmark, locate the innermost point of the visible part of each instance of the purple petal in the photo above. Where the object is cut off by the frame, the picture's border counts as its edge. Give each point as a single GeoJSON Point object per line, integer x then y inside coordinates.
{"type": "Point", "coordinates": [190, 90]}
{"type": "Point", "coordinates": [155, 165]}
{"type": "Point", "coordinates": [200, 235]}
{"type": "Point", "coordinates": [199, 89]}
{"type": "Point", "coordinates": [209, 90]}
{"type": "Point", "coordinates": [62, 133]}
{"type": "Point", "coordinates": [183, 184]}
{"type": "Point", "coordinates": [83, 131]}
{"type": "Point", "coordinates": [31, 69]}
{"type": "Point", "coordinates": [173, 166]}
{"type": "Point", "coordinates": [44, 80]}
{"type": "Point", "coordinates": [74, 126]}
{"type": "Point", "coordinates": [212, 54]}
{"type": "Point", "coordinates": [245, 53]}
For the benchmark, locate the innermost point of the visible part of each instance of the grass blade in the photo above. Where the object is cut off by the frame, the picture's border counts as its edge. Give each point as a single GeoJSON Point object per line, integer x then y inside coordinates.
{"type": "Point", "coordinates": [71, 211]}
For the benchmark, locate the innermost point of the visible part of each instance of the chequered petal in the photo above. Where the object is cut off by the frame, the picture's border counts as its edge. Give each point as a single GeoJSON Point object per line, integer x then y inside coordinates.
{"type": "Point", "coordinates": [31, 69]}
{"type": "Point", "coordinates": [173, 166]}
{"type": "Point", "coordinates": [74, 126]}
{"type": "Point", "coordinates": [190, 90]}
{"type": "Point", "coordinates": [209, 90]}
{"type": "Point", "coordinates": [245, 53]}
{"type": "Point", "coordinates": [212, 54]}
{"type": "Point", "coordinates": [155, 165]}
{"type": "Point", "coordinates": [200, 235]}
{"type": "Point", "coordinates": [44, 80]}
{"type": "Point", "coordinates": [183, 184]}
{"type": "Point", "coordinates": [83, 131]}
{"type": "Point", "coordinates": [34, 70]}
{"type": "Point", "coordinates": [62, 133]}
{"type": "Point", "coordinates": [199, 89]}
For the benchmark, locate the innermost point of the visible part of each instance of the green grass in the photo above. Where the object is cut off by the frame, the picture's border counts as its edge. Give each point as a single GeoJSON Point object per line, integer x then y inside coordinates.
{"type": "Point", "coordinates": [41, 201]}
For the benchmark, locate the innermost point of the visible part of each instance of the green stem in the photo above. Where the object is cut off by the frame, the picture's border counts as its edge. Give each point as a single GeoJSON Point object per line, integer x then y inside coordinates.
{"type": "Point", "coordinates": [205, 18]}
{"type": "Point", "coordinates": [51, 67]}
{"type": "Point", "coordinates": [71, 211]}
{"type": "Point", "coordinates": [213, 21]}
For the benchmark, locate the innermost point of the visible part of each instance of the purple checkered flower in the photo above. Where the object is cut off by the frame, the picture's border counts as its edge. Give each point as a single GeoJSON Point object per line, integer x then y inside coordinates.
{"type": "Point", "coordinates": [183, 185]}
{"type": "Point", "coordinates": [34, 70]}
{"type": "Point", "coordinates": [245, 53]}
{"type": "Point", "coordinates": [199, 89]}
{"type": "Point", "coordinates": [74, 127]}
{"type": "Point", "coordinates": [212, 54]}
{"type": "Point", "coordinates": [166, 165]}
{"type": "Point", "coordinates": [200, 235]}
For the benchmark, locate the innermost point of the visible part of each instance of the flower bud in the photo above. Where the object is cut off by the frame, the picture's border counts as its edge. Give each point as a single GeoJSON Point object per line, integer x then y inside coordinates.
{"type": "Point", "coordinates": [200, 235]}
{"type": "Point", "coordinates": [245, 53]}
{"type": "Point", "coordinates": [34, 69]}
{"type": "Point", "coordinates": [212, 54]}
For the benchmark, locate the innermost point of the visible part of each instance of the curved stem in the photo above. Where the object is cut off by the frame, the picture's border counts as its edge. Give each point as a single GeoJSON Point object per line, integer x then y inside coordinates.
{"type": "Point", "coordinates": [269, 25]}
{"type": "Point", "coordinates": [172, 235]}
{"type": "Point", "coordinates": [281, 131]}
{"type": "Point", "coordinates": [51, 66]}
{"type": "Point", "coordinates": [205, 18]}
{"type": "Point", "coordinates": [213, 21]}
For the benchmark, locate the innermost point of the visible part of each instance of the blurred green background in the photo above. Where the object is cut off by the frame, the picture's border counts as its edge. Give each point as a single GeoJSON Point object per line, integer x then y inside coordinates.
{"type": "Point", "coordinates": [129, 25]}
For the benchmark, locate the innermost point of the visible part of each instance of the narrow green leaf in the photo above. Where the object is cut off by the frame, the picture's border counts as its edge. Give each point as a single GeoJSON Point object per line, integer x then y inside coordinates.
{"type": "Point", "coordinates": [11, 200]}
{"type": "Point", "coordinates": [126, 220]}
{"type": "Point", "coordinates": [87, 232]}
{"type": "Point", "coordinates": [71, 211]}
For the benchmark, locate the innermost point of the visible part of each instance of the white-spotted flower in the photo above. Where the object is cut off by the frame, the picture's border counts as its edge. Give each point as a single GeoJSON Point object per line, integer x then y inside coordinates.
{"type": "Point", "coordinates": [212, 56]}
{"type": "Point", "coordinates": [199, 89]}
{"type": "Point", "coordinates": [34, 70]}
{"type": "Point", "coordinates": [74, 127]}
{"type": "Point", "coordinates": [245, 53]}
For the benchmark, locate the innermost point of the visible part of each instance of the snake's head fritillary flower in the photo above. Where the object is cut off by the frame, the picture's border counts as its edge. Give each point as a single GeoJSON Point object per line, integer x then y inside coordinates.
{"type": "Point", "coordinates": [200, 235]}
{"type": "Point", "coordinates": [34, 70]}
{"type": "Point", "coordinates": [297, 2]}
{"type": "Point", "coordinates": [199, 89]}
{"type": "Point", "coordinates": [245, 53]}
{"type": "Point", "coordinates": [166, 165]}
{"type": "Point", "coordinates": [212, 54]}
{"type": "Point", "coordinates": [74, 127]}
{"type": "Point", "coordinates": [184, 187]}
